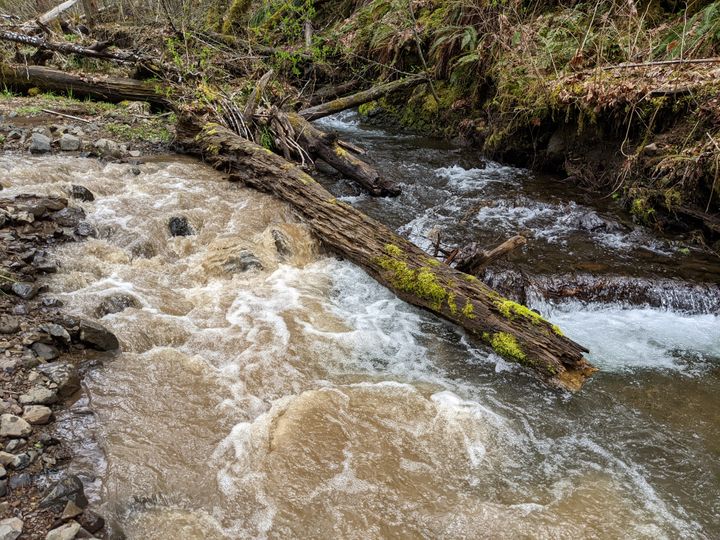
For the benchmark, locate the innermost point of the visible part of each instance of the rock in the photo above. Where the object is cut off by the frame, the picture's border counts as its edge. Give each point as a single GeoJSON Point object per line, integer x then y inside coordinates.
{"type": "Point", "coordinates": [135, 153]}
{"type": "Point", "coordinates": [65, 532]}
{"type": "Point", "coordinates": [23, 461]}
{"type": "Point", "coordinates": [20, 480]}
{"type": "Point", "coordinates": [135, 170]}
{"type": "Point", "coordinates": [20, 309]}
{"type": "Point", "coordinates": [70, 143]}
{"type": "Point", "coordinates": [651, 149]}
{"type": "Point", "coordinates": [69, 488]}
{"type": "Point", "coordinates": [71, 511]}
{"type": "Point", "coordinates": [115, 303]}
{"type": "Point", "coordinates": [591, 221]}
{"type": "Point", "coordinates": [91, 521]}
{"type": "Point", "coordinates": [10, 365]}
{"type": "Point", "coordinates": [179, 226]}
{"type": "Point", "coordinates": [85, 229]}
{"type": "Point", "coordinates": [38, 395]}
{"type": "Point", "coordinates": [242, 262]}
{"type": "Point", "coordinates": [43, 263]}
{"type": "Point", "coordinates": [47, 440]}
{"type": "Point", "coordinates": [282, 243]}
{"type": "Point", "coordinates": [39, 143]}
{"type": "Point", "coordinates": [13, 446]}
{"type": "Point", "coordinates": [37, 414]}
{"type": "Point", "coordinates": [9, 324]}
{"type": "Point", "coordinates": [3, 487]}
{"type": "Point", "coordinates": [64, 375]}
{"type": "Point", "coordinates": [3, 472]}
{"type": "Point", "coordinates": [10, 528]}
{"type": "Point", "coordinates": [97, 336]}
{"type": "Point", "coordinates": [6, 458]}
{"type": "Point", "coordinates": [26, 291]}
{"type": "Point", "coordinates": [557, 145]}
{"type": "Point", "coordinates": [14, 427]}
{"type": "Point", "coordinates": [56, 331]}
{"type": "Point", "coordinates": [45, 352]}
{"type": "Point", "coordinates": [81, 193]}
{"type": "Point", "coordinates": [69, 217]}
{"type": "Point", "coordinates": [108, 148]}
{"type": "Point", "coordinates": [51, 302]}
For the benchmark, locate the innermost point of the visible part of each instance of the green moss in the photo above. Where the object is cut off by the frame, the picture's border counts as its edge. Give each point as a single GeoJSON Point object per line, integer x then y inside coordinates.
{"type": "Point", "coordinates": [433, 262]}
{"type": "Point", "coordinates": [421, 282]}
{"type": "Point", "coordinates": [470, 279]}
{"type": "Point", "coordinates": [506, 345]}
{"type": "Point", "coordinates": [556, 330]}
{"type": "Point", "coordinates": [468, 310]}
{"type": "Point", "coordinates": [451, 303]}
{"type": "Point", "coordinates": [511, 310]}
{"type": "Point", "coordinates": [392, 249]}
{"type": "Point", "coordinates": [237, 16]}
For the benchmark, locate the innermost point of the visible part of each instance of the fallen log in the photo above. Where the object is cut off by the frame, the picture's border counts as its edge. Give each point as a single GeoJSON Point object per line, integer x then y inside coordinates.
{"type": "Point", "coordinates": [512, 330]}
{"type": "Point", "coordinates": [54, 13]}
{"type": "Point", "coordinates": [97, 51]}
{"type": "Point", "coordinates": [473, 258]}
{"type": "Point", "coordinates": [348, 102]}
{"type": "Point", "coordinates": [103, 88]}
{"type": "Point", "coordinates": [327, 148]}
{"type": "Point", "coordinates": [327, 93]}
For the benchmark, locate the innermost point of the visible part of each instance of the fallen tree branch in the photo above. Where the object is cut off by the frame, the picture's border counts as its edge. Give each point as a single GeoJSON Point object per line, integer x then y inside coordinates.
{"type": "Point", "coordinates": [54, 13]}
{"type": "Point", "coordinates": [712, 60]}
{"type": "Point", "coordinates": [512, 330]}
{"type": "Point", "coordinates": [319, 144]}
{"type": "Point", "coordinates": [70, 116]}
{"type": "Point", "coordinates": [348, 102]}
{"type": "Point", "coordinates": [473, 258]}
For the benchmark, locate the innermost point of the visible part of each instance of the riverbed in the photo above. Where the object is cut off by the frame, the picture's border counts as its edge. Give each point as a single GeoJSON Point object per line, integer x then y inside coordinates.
{"type": "Point", "coordinates": [302, 399]}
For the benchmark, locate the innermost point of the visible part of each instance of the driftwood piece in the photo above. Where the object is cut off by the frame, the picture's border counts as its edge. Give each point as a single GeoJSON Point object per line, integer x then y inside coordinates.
{"type": "Point", "coordinates": [473, 258]}
{"type": "Point", "coordinates": [96, 51]}
{"type": "Point", "coordinates": [513, 331]}
{"type": "Point", "coordinates": [54, 13]}
{"type": "Point", "coordinates": [104, 88]}
{"type": "Point", "coordinates": [331, 92]}
{"type": "Point", "coordinates": [348, 102]}
{"type": "Point", "coordinates": [256, 95]}
{"type": "Point", "coordinates": [320, 144]}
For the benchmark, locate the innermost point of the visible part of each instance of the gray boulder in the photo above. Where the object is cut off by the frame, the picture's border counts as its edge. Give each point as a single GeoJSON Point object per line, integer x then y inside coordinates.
{"type": "Point", "coordinates": [65, 532]}
{"type": "Point", "coordinates": [14, 426]}
{"type": "Point", "coordinates": [97, 336]}
{"type": "Point", "coordinates": [64, 375]}
{"type": "Point", "coordinates": [70, 143]}
{"type": "Point", "coordinates": [39, 143]}
{"type": "Point", "coordinates": [10, 528]}
{"type": "Point", "coordinates": [38, 395]}
{"type": "Point", "coordinates": [37, 414]}
{"type": "Point", "coordinates": [69, 488]}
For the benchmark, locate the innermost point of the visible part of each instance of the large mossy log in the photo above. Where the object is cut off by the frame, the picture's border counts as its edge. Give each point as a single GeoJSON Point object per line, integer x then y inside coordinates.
{"type": "Point", "coordinates": [112, 89]}
{"type": "Point", "coordinates": [512, 330]}
{"type": "Point", "coordinates": [354, 100]}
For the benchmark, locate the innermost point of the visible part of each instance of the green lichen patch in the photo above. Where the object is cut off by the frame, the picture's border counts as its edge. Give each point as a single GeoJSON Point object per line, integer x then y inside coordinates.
{"type": "Point", "coordinates": [556, 330]}
{"type": "Point", "coordinates": [468, 310]}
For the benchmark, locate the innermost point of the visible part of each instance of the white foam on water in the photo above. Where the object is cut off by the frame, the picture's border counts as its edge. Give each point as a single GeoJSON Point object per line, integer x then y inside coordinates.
{"type": "Point", "coordinates": [621, 338]}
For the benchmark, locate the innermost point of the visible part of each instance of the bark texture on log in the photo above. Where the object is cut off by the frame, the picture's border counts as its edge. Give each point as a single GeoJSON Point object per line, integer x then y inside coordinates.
{"type": "Point", "coordinates": [513, 331]}
{"type": "Point", "coordinates": [319, 144]}
{"type": "Point", "coordinates": [348, 102]}
{"type": "Point", "coordinates": [104, 88]}
{"type": "Point", "coordinates": [331, 92]}
{"type": "Point", "coordinates": [473, 258]}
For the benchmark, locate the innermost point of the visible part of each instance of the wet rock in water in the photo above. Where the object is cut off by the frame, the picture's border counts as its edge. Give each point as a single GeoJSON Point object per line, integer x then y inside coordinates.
{"type": "Point", "coordinates": [26, 291]}
{"type": "Point", "coordinates": [97, 336]}
{"type": "Point", "coordinates": [38, 395]}
{"type": "Point", "coordinates": [39, 143]}
{"type": "Point", "coordinates": [591, 221]}
{"type": "Point", "coordinates": [242, 262]}
{"type": "Point", "coordinates": [56, 331]}
{"type": "Point", "coordinates": [179, 226]}
{"type": "Point", "coordinates": [64, 375]}
{"type": "Point", "coordinates": [282, 244]}
{"type": "Point", "coordinates": [81, 193]}
{"type": "Point", "coordinates": [44, 351]}
{"type": "Point", "coordinates": [108, 148]}
{"type": "Point", "coordinates": [37, 414]}
{"type": "Point", "coordinates": [70, 143]}
{"type": "Point", "coordinates": [51, 302]}
{"type": "Point", "coordinates": [85, 229]}
{"type": "Point", "coordinates": [135, 170]}
{"type": "Point", "coordinates": [69, 488]}
{"type": "Point", "coordinates": [14, 427]}
{"type": "Point", "coordinates": [68, 217]}
{"type": "Point", "coordinates": [64, 532]}
{"type": "Point", "coordinates": [91, 521]}
{"type": "Point", "coordinates": [9, 324]}
{"type": "Point", "coordinates": [115, 303]}
{"type": "Point", "coordinates": [10, 528]}
{"type": "Point", "coordinates": [42, 263]}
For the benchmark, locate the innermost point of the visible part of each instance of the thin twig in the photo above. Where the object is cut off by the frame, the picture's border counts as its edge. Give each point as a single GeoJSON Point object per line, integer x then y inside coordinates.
{"type": "Point", "coordinates": [66, 116]}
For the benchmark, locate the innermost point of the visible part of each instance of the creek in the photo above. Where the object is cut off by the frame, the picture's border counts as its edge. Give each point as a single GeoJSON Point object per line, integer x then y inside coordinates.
{"type": "Point", "coordinates": [304, 400]}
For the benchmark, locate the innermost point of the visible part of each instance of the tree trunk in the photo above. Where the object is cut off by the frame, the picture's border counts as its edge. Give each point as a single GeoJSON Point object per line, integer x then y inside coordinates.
{"type": "Point", "coordinates": [513, 331]}
{"type": "Point", "coordinates": [69, 48]}
{"type": "Point", "coordinates": [91, 11]}
{"type": "Point", "coordinates": [325, 147]}
{"type": "Point", "coordinates": [331, 92]}
{"type": "Point", "coordinates": [104, 88]}
{"type": "Point", "coordinates": [348, 102]}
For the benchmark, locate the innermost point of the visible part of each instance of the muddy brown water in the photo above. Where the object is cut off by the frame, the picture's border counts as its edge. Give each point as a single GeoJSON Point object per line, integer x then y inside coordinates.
{"type": "Point", "coordinates": [303, 400]}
